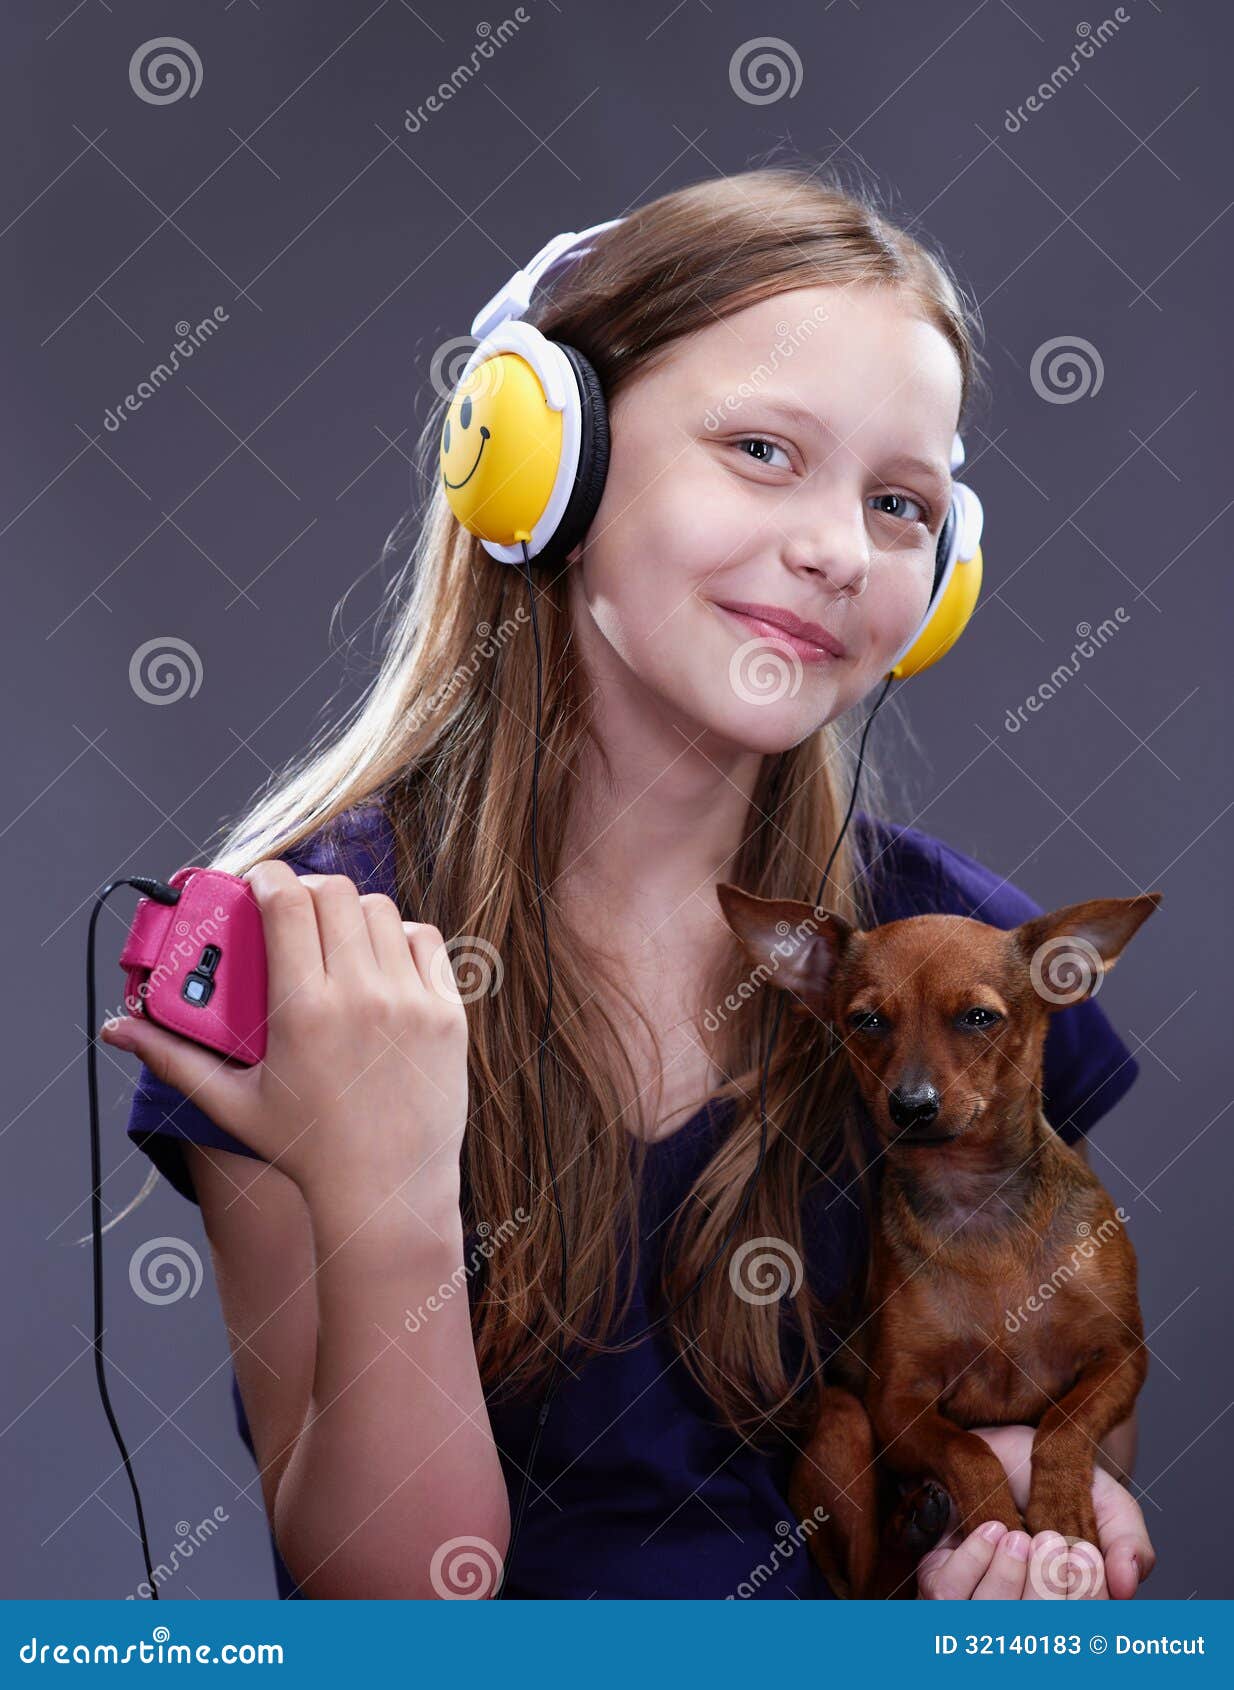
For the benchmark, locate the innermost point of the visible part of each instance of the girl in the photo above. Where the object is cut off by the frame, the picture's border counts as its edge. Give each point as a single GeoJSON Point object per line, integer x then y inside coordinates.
{"type": "Point", "coordinates": [377, 1193]}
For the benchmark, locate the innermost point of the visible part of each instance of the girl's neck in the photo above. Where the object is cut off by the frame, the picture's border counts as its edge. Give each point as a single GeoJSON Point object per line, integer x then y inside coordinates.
{"type": "Point", "coordinates": [659, 818]}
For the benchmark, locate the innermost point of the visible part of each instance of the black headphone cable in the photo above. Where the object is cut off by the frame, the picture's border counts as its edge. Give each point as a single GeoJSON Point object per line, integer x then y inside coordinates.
{"type": "Point", "coordinates": [163, 894]}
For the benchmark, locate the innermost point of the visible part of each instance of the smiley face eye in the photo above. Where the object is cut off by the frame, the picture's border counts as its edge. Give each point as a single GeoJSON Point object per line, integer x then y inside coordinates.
{"type": "Point", "coordinates": [445, 436]}
{"type": "Point", "coordinates": [464, 412]}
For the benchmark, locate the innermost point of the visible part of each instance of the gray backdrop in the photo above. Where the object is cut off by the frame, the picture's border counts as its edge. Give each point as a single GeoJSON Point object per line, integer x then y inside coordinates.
{"type": "Point", "coordinates": [235, 508]}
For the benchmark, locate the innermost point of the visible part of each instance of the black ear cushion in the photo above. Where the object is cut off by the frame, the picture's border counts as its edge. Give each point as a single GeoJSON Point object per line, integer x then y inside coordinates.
{"type": "Point", "coordinates": [592, 469]}
{"type": "Point", "coordinates": [944, 544]}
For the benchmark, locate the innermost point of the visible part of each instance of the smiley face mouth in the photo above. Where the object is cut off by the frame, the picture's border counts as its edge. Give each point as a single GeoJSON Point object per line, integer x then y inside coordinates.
{"type": "Point", "coordinates": [455, 485]}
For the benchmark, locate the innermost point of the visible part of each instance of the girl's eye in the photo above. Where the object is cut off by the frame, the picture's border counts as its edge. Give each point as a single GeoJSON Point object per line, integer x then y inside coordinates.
{"type": "Point", "coordinates": [900, 500]}
{"type": "Point", "coordinates": [897, 505]}
{"type": "Point", "coordinates": [767, 446]}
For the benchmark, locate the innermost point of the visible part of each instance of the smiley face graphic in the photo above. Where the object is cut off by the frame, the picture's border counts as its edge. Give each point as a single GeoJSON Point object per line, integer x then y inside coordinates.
{"type": "Point", "coordinates": [465, 409]}
{"type": "Point", "coordinates": [501, 446]}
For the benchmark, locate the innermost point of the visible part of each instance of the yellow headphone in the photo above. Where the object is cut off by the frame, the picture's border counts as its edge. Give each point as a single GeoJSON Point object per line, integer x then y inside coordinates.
{"type": "Point", "coordinates": [525, 445]}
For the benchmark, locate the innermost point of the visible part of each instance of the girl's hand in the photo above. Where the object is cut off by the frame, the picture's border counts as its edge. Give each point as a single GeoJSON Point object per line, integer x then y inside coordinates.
{"type": "Point", "coordinates": [363, 1090]}
{"type": "Point", "coordinates": [992, 1562]}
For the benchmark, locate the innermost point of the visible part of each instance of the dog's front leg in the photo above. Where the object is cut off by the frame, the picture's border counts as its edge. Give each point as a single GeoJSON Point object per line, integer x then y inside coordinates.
{"type": "Point", "coordinates": [918, 1441]}
{"type": "Point", "coordinates": [1060, 1496]}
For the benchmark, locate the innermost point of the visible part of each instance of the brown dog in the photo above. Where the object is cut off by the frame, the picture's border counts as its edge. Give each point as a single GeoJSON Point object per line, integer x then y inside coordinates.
{"type": "Point", "coordinates": [1003, 1284]}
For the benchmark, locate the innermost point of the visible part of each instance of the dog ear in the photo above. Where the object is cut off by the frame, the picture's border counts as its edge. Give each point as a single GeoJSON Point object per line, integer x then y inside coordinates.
{"type": "Point", "coordinates": [1070, 950]}
{"type": "Point", "coordinates": [793, 945]}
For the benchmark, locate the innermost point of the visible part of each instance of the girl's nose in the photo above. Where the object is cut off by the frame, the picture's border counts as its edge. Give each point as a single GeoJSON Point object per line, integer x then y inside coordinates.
{"type": "Point", "coordinates": [843, 559]}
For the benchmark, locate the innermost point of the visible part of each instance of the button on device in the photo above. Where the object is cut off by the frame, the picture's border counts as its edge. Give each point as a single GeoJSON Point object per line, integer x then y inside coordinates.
{"type": "Point", "coordinates": [198, 989]}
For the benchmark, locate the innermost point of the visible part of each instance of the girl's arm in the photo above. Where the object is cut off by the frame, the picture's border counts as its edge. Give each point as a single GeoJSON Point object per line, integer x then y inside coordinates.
{"type": "Point", "coordinates": [371, 1427]}
{"type": "Point", "coordinates": [373, 1441]}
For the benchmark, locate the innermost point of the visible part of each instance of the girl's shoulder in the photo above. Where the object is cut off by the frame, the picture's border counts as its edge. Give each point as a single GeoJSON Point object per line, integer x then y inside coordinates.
{"type": "Point", "coordinates": [911, 872]}
{"type": "Point", "coordinates": [359, 843]}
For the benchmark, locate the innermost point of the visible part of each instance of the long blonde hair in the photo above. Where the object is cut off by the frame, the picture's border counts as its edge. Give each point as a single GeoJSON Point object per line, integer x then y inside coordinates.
{"type": "Point", "coordinates": [441, 739]}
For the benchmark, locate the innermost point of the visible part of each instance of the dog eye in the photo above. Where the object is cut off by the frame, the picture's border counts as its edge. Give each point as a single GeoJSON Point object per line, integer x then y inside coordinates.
{"type": "Point", "coordinates": [868, 1021]}
{"type": "Point", "coordinates": [979, 1017]}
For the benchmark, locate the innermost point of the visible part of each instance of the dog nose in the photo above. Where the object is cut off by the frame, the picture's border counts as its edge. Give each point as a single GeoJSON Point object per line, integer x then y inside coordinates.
{"type": "Point", "coordinates": [913, 1107]}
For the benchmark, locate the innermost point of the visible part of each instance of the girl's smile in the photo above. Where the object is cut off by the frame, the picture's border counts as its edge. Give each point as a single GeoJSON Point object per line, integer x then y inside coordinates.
{"type": "Point", "coordinates": [791, 505]}
{"type": "Point", "coordinates": [811, 642]}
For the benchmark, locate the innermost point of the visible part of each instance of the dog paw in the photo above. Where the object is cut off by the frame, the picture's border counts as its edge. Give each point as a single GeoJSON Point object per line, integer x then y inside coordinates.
{"type": "Point", "coordinates": [920, 1517]}
{"type": "Point", "coordinates": [1069, 1520]}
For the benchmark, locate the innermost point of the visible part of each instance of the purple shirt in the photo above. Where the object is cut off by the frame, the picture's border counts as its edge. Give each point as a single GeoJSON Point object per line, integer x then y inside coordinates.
{"type": "Point", "coordinates": [637, 1492]}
